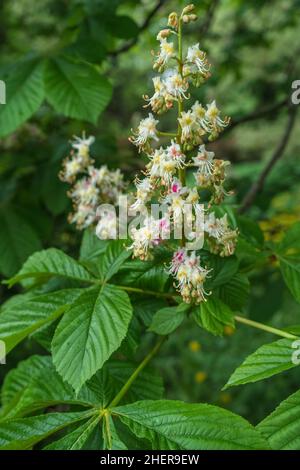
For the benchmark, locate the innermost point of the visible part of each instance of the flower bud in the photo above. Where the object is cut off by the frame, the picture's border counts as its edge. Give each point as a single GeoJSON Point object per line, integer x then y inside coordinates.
{"type": "Point", "coordinates": [189, 18]}
{"type": "Point", "coordinates": [193, 17]}
{"type": "Point", "coordinates": [188, 9]}
{"type": "Point", "coordinates": [173, 20]}
{"type": "Point", "coordinates": [164, 33]}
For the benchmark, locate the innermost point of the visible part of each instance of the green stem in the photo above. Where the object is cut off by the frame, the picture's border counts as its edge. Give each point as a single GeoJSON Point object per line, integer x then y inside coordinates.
{"type": "Point", "coordinates": [181, 171]}
{"type": "Point", "coordinates": [167, 295]}
{"type": "Point", "coordinates": [139, 369]}
{"type": "Point", "coordinates": [166, 134]}
{"type": "Point", "coordinates": [261, 326]}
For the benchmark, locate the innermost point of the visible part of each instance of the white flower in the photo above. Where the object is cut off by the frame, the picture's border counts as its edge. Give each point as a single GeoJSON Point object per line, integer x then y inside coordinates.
{"type": "Point", "coordinates": [174, 152]}
{"type": "Point", "coordinates": [146, 131]}
{"type": "Point", "coordinates": [71, 169]}
{"type": "Point", "coordinates": [198, 111]}
{"type": "Point", "coordinates": [106, 228]}
{"type": "Point", "coordinates": [83, 216]}
{"type": "Point", "coordinates": [85, 192]}
{"type": "Point", "coordinates": [187, 123]}
{"type": "Point", "coordinates": [154, 167]}
{"type": "Point", "coordinates": [212, 121]}
{"type": "Point", "coordinates": [175, 199]}
{"type": "Point", "coordinates": [198, 57]}
{"type": "Point", "coordinates": [82, 144]}
{"type": "Point", "coordinates": [143, 192]}
{"type": "Point", "coordinates": [175, 84]}
{"type": "Point", "coordinates": [149, 235]}
{"type": "Point", "coordinates": [219, 230]}
{"type": "Point", "coordinates": [204, 161]}
{"type": "Point", "coordinates": [167, 51]}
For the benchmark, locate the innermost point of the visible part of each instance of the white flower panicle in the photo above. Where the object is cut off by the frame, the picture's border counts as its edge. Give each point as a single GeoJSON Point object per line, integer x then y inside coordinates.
{"type": "Point", "coordinates": [91, 186]}
{"type": "Point", "coordinates": [164, 177]}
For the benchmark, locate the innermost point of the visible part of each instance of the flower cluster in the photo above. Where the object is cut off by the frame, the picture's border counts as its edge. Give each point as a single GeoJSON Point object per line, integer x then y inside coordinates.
{"type": "Point", "coordinates": [164, 178]}
{"type": "Point", "coordinates": [189, 276]}
{"type": "Point", "coordinates": [90, 186]}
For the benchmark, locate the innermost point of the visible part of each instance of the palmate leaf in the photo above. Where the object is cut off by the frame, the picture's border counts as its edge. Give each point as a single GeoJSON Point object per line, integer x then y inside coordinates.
{"type": "Point", "coordinates": [18, 240]}
{"type": "Point", "coordinates": [91, 330]}
{"type": "Point", "coordinates": [49, 263]}
{"type": "Point", "coordinates": [282, 427]}
{"type": "Point", "coordinates": [174, 425]}
{"type": "Point", "coordinates": [17, 321]}
{"type": "Point", "coordinates": [24, 94]}
{"type": "Point", "coordinates": [23, 433]}
{"type": "Point", "coordinates": [35, 384]}
{"type": "Point", "coordinates": [76, 90]}
{"type": "Point", "coordinates": [268, 360]}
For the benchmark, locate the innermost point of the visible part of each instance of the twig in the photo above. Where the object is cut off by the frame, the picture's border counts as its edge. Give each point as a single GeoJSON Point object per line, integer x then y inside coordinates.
{"type": "Point", "coordinates": [258, 114]}
{"type": "Point", "coordinates": [279, 151]}
{"type": "Point", "coordinates": [125, 47]}
{"type": "Point", "coordinates": [209, 18]}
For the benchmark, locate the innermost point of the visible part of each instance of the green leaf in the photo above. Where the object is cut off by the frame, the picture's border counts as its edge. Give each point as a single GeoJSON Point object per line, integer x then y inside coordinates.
{"type": "Point", "coordinates": [168, 319]}
{"type": "Point", "coordinates": [146, 307]}
{"type": "Point", "coordinates": [123, 27]}
{"type": "Point", "coordinates": [91, 330]}
{"type": "Point", "coordinates": [18, 240]}
{"type": "Point", "coordinates": [223, 271]}
{"type": "Point", "coordinates": [23, 433]}
{"type": "Point", "coordinates": [76, 439]}
{"type": "Point", "coordinates": [235, 292]}
{"type": "Point", "coordinates": [290, 270]}
{"type": "Point", "coordinates": [24, 94]}
{"type": "Point", "coordinates": [174, 425]}
{"type": "Point", "coordinates": [19, 320]}
{"type": "Point", "coordinates": [288, 253]}
{"type": "Point", "coordinates": [268, 360]}
{"type": "Point", "coordinates": [111, 439]}
{"type": "Point", "coordinates": [35, 385]}
{"type": "Point", "coordinates": [213, 315]}
{"type": "Point", "coordinates": [282, 427]}
{"type": "Point", "coordinates": [112, 259]}
{"type": "Point", "coordinates": [150, 274]}
{"type": "Point", "coordinates": [147, 386]}
{"type": "Point", "coordinates": [52, 262]}
{"type": "Point", "coordinates": [91, 246]}
{"type": "Point", "coordinates": [76, 89]}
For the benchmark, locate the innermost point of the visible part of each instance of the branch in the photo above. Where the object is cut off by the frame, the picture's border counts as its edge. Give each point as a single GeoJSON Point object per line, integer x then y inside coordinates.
{"type": "Point", "coordinates": [259, 114]}
{"type": "Point", "coordinates": [205, 26]}
{"type": "Point", "coordinates": [279, 151]}
{"type": "Point", "coordinates": [125, 47]}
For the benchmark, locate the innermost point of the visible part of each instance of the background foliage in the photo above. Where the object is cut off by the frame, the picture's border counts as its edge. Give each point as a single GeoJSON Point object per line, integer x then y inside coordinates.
{"type": "Point", "coordinates": [81, 64]}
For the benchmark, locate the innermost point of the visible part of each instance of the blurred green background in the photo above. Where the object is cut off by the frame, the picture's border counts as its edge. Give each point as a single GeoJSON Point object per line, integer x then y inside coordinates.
{"type": "Point", "coordinates": [254, 50]}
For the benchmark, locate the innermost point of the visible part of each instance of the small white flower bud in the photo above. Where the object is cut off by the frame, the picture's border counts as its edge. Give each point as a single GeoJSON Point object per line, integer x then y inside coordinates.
{"type": "Point", "coordinates": [164, 33]}
{"type": "Point", "coordinates": [173, 20]}
{"type": "Point", "coordinates": [188, 9]}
